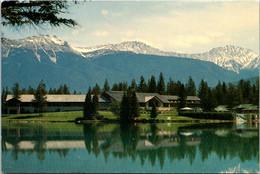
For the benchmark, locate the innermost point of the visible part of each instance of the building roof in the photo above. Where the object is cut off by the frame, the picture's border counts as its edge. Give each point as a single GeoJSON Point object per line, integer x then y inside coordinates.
{"type": "Point", "coordinates": [251, 108]}
{"type": "Point", "coordinates": [193, 98]}
{"type": "Point", "coordinates": [57, 98]}
{"type": "Point", "coordinates": [221, 108]}
{"type": "Point", "coordinates": [242, 106]}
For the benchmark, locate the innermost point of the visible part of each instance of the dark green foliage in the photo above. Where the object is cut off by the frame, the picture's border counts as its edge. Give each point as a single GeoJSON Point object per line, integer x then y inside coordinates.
{"type": "Point", "coordinates": [171, 87]}
{"type": "Point", "coordinates": [115, 108]}
{"type": "Point", "coordinates": [115, 87]}
{"type": "Point", "coordinates": [153, 113]}
{"type": "Point", "coordinates": [16, 91]}
{"type": "Point", "coordinates": [190, 87]}
{"type": "Point", "coordinates": [208, 115]}
{"type": "Point", "coordinates": [95, 104]}
{"type": "Point", "coordinates": [88, 107]}
{"type": "Point", "coordinates": [74, 92]}
{"type": "Point", "coordinates": [133, 85]}
{"type": "Point", "coordinates": [65, 89]}
{"type": "Point", "coordinates": [142, 87]}
{"type": "Point", "coordinates": [19, 13]}
{"type": "Point", "coordinates": [96, 89]}
{"type": "Point", "coordinates": [122, 86]}
{"type": "Point", "coordinates": [161, 85]}
{"type": "Point", "coordinates": [24, 91]}
{"type": "Point", "coordinates": [152, 85]}
{"type": "Point", "coordinates": [133, 105]}
{"type": "Point", "coordinates": [203, 94]}
{"type": "Point", "coordinates": [182, 97]}
{"type": "Point", "coordinates": [124, 112]}
{"type": "Point", "coordinates": [106, 86]}
{"type": "Point", "coordinates": [232, 96]}
{"type": "Point", "coordinates": [40, 99]}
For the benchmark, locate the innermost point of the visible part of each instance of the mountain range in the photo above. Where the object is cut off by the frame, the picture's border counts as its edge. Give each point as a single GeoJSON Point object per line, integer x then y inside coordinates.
{"type": "Point", "coordinates": [46, 57]}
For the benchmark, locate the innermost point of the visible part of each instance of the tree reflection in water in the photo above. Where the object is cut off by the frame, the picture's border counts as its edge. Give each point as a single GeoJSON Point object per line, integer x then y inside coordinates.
{"type": "Point", "coordinates": [147, 142]}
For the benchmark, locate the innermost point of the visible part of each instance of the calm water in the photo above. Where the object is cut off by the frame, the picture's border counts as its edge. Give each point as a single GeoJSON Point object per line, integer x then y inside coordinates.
{"type": "Point", "coordinates": [164, 147]}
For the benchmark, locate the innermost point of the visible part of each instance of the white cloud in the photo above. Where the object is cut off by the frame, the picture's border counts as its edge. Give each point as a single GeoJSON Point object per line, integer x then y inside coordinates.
{"type": "Point", "coordinates": [100, 33]}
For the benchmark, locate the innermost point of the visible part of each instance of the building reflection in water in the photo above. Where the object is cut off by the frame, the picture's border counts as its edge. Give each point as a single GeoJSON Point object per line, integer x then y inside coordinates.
{"type": "Point", "coordinates": [149, 142]}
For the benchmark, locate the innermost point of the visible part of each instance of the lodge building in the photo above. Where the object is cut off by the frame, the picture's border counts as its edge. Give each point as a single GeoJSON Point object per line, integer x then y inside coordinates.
{"type": "Point", "coordinates": [60, 102]}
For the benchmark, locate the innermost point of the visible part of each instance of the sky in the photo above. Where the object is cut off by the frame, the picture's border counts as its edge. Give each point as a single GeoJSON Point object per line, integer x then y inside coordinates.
{"type": "Point", "coordinates": [185, 27]}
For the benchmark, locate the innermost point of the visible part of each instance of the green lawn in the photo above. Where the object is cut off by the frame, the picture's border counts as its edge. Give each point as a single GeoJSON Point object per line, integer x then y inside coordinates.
{"type": "Point", "coordinates": [71, 116]}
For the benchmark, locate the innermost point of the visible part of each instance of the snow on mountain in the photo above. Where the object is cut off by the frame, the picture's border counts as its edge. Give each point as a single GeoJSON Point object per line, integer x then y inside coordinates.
{"type": "Point", "coordinates": [229, 57]}
{"type": "Point", "coordinates": [40, 44]}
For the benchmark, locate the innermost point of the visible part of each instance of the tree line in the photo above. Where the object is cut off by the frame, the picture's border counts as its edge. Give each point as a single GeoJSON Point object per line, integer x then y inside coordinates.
{"type": "Point", "coordinates": [222, 94]}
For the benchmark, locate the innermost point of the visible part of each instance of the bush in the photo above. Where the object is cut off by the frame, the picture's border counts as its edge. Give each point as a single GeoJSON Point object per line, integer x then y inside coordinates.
{"type": "Point", "coordinates": [208, 115]}
{"type": "Point", "coordinates": [115, 108]}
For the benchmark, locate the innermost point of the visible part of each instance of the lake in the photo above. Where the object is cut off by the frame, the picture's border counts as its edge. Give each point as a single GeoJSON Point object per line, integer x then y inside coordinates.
{"type": "Point", "coordinates": [162, 147]}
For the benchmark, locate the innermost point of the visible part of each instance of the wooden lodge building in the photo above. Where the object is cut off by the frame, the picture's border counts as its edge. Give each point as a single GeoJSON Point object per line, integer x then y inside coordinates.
{"type": "Point", "coordinates": [60, 102]}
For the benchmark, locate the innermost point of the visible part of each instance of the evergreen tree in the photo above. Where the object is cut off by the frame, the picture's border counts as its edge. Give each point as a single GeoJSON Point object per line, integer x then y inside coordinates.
{"type": "Point", "coordinates": [106, 86]}
{"type": "Point", "coordinates": [122, 86]}
{"type": "Point", "coordinates": [65, 89]}
{"type": "Point", "coordinates": [191, 88]}
{"type": "Point", "coordinates": [40, 98]}
{"type": "Point", "coordinates": [177, 87]}
{"type": "Point", "coordinates": [96, 89]}
{"type": "Point", "coordinates": [224, 89]}
{"type": "Point", "coordinates": [152, 85]}
{"type": "Point", "coordinates": [4, 95]}
{"type": "Point", "coordinates": [142, 87]}
{"type": "Point", "coordinates": [95, 104]}
{"type": "Point", "coordinates": [31, 90]}
{"type": "Point", "coordinates": [124, 113]}
{"type": "Point", "coordinates": [161, 85]}
{"type": "Point", "coordinates": [55, 91]}
{"type": "Point", "coordinates": [133, 85]}
{"type": "Point", "coordinates": [203, 94]}
{"type": "Point", "coordinates": [74, 92]}
{"type": "Point", "coordinates": [232, 96]}
{"type": "Point", "coordinates": [170, 87]}
{"type": "Point", "coordinates": [219, 94]}
{"type": "Point", "coordinates": [246, 90]}
{"type": "Point", "coordinates": [51, 91]}
{"type": "Point", "coordinates": [115, 108]}
{"type": "Point", "coordinates": [211, 100]}
{"type": "Point", "coordinates": [88, 107]}
{"type": "Point", "coordinates": [60, 90]}
{"type": "Point", "coordinates": [24, 91]}
{"type": "Point", "coordinates": [115, 87]}
{"type": "Point", "coordinates": [16, 96]}
{"type": "Point", "coordinates": [153, 113]}
{"type": "Point", "coordinates": [182, 97]}
{"type": "Point", "coordinates": [133, 105]}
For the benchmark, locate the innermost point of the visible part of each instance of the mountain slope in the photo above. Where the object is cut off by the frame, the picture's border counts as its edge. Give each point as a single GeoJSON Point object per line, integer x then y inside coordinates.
{"type": "Point", "coordinates": [22, 63]}
{"type": "Point", "coordinates": [229, 57]}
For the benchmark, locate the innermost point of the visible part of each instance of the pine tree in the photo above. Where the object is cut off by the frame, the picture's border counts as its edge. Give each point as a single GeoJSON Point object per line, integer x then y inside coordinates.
{"type": "Point", "coordinates": [74, 92]}
{"type": "Point", "coordinates": [16, 96]}
{"type": "Point", "coordinates": [115, 87]}
{"type": "Point", "coordinates": [124, 112]}
{"type": "Point", "coordinates": [133, 105]}
{"type": "Point", "coordinates": [133, 85]}
{"type": "Point", "coordinates": [96, 89]}
{"type": "Point", "coordinates": [51, 91]}
{"type": "Point", "coordinates": [191, 88]}
{"type": "Point", "coordinates": [219, 94]}
{"type": "Point", "coordinates": [203, 94]}
{"type": "Point", "coordinates": [60, 90]}
{"type": "Point", "coordinates": [161, 85]}
{"type": "Point", "coordinates": [106, 86]}
{"type": "Point", "coordinates": [142, 87]}
{"type": "Point", "coordinates": [31, 90]}
{"type": "Point", "coordinates": [95, 104]}
{"type": "Point", "coordinates": [182, 97]}
{"type": "Point", "coordinates": [152, 85]}
{"type": "Point", "coordinates": [232, 96]}
{"type": "Point", "coordinates": [170, 87]}
{"type": "Point", "coordinates": [88, 107]}
{"type": "Point", "coordinates": [65, 89]}
{"type": "Point", "coordinates": [153, 113]}
{"type": "Point", "coordinates": [40, 99]}
{"type": "Point", "coordinates": [24, 91]}
{"type": "Point", "coordinates": [224, 89]}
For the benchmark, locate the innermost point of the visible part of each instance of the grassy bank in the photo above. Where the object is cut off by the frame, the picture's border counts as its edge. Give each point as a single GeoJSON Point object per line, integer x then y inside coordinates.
{"type": "Point", "coordinates": [71, 116]}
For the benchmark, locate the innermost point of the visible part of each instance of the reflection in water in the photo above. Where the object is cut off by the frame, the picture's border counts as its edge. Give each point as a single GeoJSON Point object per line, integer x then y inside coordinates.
{"type": "Point", "coordinates": [148, 142]}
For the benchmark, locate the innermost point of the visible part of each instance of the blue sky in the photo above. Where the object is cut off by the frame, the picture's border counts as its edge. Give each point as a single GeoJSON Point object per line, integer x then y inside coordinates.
{"type": "Point", "coordinates": [190, 27]}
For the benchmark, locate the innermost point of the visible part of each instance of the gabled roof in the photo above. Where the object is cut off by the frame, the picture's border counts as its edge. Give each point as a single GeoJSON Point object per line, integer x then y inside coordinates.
{"type": "Point", "coordinates": [193, 98]}
{"type": "Point", "coordinates": [242, 106]}
{"type": "Point", "coordinates": [251, 108]}
{"type": "Point", "coordinates": [57, 98]}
